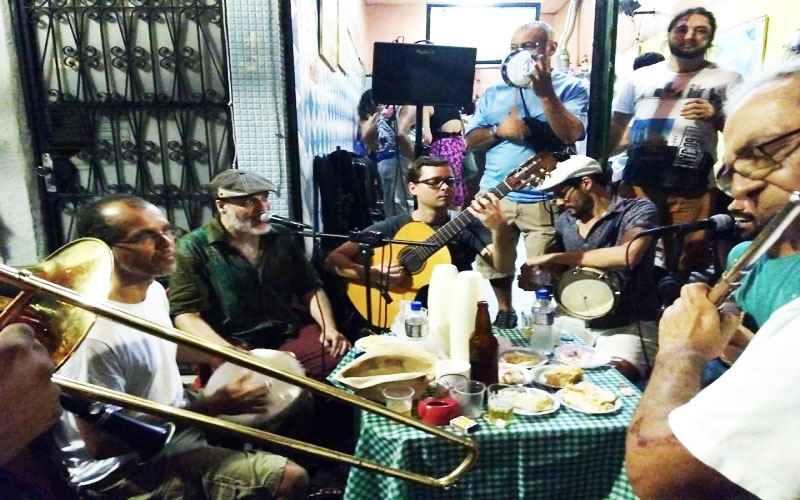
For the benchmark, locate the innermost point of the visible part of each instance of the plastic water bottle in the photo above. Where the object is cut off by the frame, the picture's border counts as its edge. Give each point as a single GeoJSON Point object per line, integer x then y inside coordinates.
{"type": "Point", "coordinates": [416, 322]}
{"type": "Point", "coordinates": [543, 336]}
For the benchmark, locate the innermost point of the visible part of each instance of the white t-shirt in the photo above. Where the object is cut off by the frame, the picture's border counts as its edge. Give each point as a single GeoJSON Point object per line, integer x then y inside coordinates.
{"type": "Point", "coordinates": [125, 360]}
{"type": "Point", "coordinates": [666, 149]}
{"type": "Point", "coordinates": [746, 425]}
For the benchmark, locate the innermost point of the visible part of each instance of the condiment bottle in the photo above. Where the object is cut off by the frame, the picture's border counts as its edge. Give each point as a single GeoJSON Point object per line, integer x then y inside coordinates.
{"type": "Point", "coordinates": [483, 347]}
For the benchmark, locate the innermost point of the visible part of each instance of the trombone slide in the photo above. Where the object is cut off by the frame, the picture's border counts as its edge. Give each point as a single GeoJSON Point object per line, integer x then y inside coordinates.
{"type": "Point", "coordinates": [27, 282]}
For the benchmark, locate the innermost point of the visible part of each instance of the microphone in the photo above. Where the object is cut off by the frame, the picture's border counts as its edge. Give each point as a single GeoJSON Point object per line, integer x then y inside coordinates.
{"type": "Point", "coordinates": [717, 223]}
{"type": "Point", "coordinates": [277, 219]}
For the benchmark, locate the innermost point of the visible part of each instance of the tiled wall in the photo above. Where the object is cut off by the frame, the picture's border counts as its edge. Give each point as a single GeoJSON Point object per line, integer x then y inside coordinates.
{"type": "Point", "coordinates": [257, 88]}
{"type": "Point", "coordinates": [326, 99]}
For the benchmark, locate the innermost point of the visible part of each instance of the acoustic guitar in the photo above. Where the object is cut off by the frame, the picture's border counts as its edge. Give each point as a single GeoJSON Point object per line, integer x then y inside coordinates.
{"type": "Point", "coordinates": [419, 261]}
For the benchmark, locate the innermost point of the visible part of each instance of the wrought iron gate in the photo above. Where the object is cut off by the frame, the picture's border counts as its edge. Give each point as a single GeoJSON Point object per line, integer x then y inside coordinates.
{"type": "Point", "coordinates": [125, 96]}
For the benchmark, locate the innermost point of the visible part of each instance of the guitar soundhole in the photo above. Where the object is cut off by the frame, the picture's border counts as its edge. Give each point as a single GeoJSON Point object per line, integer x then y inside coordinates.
{"type": "Point", "coordinates": [411, 261]}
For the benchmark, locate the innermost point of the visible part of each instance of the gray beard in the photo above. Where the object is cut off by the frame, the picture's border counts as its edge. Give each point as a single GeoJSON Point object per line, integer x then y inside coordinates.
{"type": "Point", "coordinates": [236, 225]}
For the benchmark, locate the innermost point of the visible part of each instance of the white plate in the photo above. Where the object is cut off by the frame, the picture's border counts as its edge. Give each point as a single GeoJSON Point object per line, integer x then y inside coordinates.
{"type": "Point", "coordinates": [617, 405]}
{"type": "Point", "coordinates": [517, 374]}
{"type": "Point", "coordinates": [529, 356]}
{"type": "Point", "coordinates": [538, 376]}
{"type": "Point", "coordinates": [365, 343]}
{"type": "Point", "coordinates": [529, 390]}
{"type": "Point", "coordinates": [581, 356]}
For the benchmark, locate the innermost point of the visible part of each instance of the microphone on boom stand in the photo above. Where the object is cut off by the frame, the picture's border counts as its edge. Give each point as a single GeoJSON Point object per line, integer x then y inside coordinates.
{"type": "Point", "coordinates": [283, 221]}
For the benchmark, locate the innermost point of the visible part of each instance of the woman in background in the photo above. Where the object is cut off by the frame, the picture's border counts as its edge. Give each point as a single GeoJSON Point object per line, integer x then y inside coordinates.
{"type": "Point", "coordinates": [446, 130]}
{"type": "Point", "coordinates": [384, 130]}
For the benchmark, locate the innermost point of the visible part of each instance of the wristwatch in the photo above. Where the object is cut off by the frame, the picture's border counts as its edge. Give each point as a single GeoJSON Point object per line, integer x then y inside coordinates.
{"type": "Point", "coordinates": [493, 131]}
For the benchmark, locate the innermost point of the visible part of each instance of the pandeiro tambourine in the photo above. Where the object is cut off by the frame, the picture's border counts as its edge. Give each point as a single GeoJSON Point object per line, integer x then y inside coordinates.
{"type": "Point", "coordinates": [517, 68]}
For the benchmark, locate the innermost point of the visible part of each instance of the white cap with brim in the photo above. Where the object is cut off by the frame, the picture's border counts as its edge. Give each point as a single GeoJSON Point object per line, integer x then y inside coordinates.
{"type": "Point", "coordinates": [573, 168]}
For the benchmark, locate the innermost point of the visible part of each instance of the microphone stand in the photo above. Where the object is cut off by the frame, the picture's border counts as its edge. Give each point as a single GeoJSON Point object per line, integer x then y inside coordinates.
{"type": "Point", "coordinates": [367, 241]}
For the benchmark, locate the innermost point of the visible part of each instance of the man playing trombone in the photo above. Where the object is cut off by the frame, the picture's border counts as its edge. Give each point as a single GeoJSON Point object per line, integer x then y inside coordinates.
{"type": "Point", "coordinates": [30, 403]}
{"type": "Point", "coordinates": [130, 361]}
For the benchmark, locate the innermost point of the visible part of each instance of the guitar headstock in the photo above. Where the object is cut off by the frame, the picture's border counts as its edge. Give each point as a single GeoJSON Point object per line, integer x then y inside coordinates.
{"type": "Point", "coordinates": [534, 170]}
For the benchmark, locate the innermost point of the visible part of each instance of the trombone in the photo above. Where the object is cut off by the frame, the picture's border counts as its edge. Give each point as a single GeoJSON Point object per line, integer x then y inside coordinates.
{"type": "Point", "coordinates": [65, 304]}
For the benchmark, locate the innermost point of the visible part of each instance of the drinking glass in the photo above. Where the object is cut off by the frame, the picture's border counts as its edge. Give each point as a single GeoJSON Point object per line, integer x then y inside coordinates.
{"type": "Point", "coordinates": [399, 399]}
{"type": "Point", "coordinates": [500, 404]}
{"type": "Point", "coordinates": [470, 398]}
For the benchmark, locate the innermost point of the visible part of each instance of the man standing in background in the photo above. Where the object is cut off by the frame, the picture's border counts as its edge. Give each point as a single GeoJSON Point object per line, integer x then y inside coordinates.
{"type": "Point", "coordinates": [509, 123]}
{"type": "Point", "coordinates": [676, 107]}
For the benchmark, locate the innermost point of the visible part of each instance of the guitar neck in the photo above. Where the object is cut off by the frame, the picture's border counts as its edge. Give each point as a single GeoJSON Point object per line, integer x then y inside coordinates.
{"type": "Point", "coordinates": [449, 231]}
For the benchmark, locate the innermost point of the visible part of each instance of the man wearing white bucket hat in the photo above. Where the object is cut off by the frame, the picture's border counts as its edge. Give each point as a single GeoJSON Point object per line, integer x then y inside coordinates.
{"type": "Point", "coordinates": [597, 230]}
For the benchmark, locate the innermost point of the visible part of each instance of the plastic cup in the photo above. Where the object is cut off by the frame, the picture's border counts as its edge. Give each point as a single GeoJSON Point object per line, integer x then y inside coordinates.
{"type": "Point", "coordinates": [470, 398]}
{"type": "Point", "coordinates": [451, 366]}
{"type": "Point", "coordinates": [447, 384]}
{"type": "Point", "coordinates": [500, 404]}
{"type": "Point", "coordinates": [399, 399]}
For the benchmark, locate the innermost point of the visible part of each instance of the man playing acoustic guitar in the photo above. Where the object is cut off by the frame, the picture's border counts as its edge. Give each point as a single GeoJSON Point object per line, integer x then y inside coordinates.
{"type": "Point", "coordinates": [430, 181]}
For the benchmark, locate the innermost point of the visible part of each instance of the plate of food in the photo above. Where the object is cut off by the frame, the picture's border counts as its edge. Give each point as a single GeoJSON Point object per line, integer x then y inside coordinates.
{"type": "Point", "coordinates": [557, 376]}
{"type": "Point", "coordinates": [523, 357]}
{"type": "Point", "coordinates": [513, 374]}
{"type": "Point", "coordinates": [532, 402]}
{"type": "Point", "coordinates": [370, 341]}
{"type": "Point", "coordinates": [586, 397]}
{"type": "Point", "coordinates": [581, 356]}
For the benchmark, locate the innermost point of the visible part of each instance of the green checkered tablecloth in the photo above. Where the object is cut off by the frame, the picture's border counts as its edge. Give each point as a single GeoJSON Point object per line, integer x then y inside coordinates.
{"type": "Point", "coordinates": [565, 455]}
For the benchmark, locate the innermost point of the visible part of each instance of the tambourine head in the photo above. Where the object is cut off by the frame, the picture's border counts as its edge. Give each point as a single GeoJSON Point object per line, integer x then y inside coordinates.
{"type": "Point", "coordinates": [587, 293]}
{"type": "Point", "coordinates": [517, 68]}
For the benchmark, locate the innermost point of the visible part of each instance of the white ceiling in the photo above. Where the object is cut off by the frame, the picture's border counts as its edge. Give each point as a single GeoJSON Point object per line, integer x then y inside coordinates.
{"type": "Point", "coordinates": [548, 6]}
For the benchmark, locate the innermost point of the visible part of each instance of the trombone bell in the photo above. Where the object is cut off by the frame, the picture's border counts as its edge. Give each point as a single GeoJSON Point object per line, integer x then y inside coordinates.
{"type": "Point", "coordinates": [85, 266]}
{"type": "Point", "coordinates": [62, 296]}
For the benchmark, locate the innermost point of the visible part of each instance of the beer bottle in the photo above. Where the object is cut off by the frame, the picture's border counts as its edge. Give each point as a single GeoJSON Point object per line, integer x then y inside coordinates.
{"type": "Point", "coordinates": [483, 347]}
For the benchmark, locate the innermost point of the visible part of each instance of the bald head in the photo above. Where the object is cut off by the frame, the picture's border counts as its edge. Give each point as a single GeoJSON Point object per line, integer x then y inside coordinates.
{"type": "Point", "coordinates": [102, 220]}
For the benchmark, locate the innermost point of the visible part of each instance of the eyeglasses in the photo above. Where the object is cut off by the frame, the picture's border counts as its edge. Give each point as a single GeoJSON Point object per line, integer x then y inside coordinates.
{"type": "Point", "coordinates": [169, 233]}
{"type": "Point", "coordinates": [759, 161]}
{"type": "Point", "coordinates": [563, 192]}
{"type": "Point", "coordinates": [436, 182]}
{"type": "Point", "coordinates": [534, 45]}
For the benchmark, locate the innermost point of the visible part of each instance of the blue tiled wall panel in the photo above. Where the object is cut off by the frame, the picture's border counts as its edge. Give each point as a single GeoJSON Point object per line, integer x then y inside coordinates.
{"type": "Point", "coordinates": [326, 98]}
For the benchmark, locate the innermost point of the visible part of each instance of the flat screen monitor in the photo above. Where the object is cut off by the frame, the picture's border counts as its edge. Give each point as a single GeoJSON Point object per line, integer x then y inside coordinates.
{"type": "Point", "coordinates": [412, 73]}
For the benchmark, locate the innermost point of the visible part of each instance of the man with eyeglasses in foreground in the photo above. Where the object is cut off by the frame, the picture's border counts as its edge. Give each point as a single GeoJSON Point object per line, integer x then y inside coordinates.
{"type": "Point", "coordinates": [431, 182]}
{"type": "Point", "coordinates": [772, 282]}
{"type": "Point", "coordinates": [738, 437]}
{"type": "Point", "coordinates": [598, 229]}
{"type": "Point", "coordinates": [510, 124]}
{"type": "Point", "coordinates": [242, 278]}
{"type": "Point", "coordinates": [128, 360]}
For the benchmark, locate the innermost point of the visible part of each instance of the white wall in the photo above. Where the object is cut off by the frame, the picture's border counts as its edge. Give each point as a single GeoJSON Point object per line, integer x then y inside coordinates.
{"type": "Point", "coordinates": [19, 204]}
